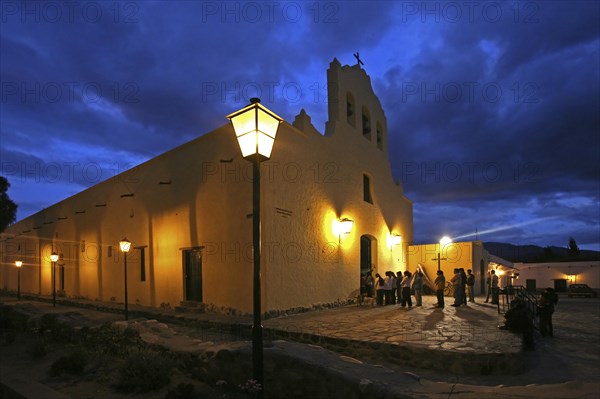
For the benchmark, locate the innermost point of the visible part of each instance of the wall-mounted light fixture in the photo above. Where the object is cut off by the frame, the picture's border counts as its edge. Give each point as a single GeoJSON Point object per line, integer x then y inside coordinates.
{"type": "Point", "coordinates": [342, 227]}
{"type": "Point", "coordinates": [393, 239]}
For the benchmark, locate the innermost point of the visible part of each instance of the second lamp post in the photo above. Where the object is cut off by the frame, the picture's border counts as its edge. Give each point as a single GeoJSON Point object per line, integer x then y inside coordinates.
{"type": "Point", "coordinates": [54, 258]}
{"type": "Point", "coordinates": [125, 246]}
{"type": "Point", "coordinates": [18, 264]}
{"type": "Point", "coordinates": [255, 129]}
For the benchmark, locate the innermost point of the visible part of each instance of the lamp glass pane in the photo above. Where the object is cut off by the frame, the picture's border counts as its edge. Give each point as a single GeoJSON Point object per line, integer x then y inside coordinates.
{"type": "Point", "coordinates": [267, 124]}
{"type": "Point", "coordinates": [125, 246]}
{"type": "Point", "coordinates": [244, 123]}
{"type": "Point", "coordinates": [54, 257]}
{"type": "Point", "coordinates": [247, 144]}
{"type": "Point", "coordinates": [347, 226]}
{"type": "Point", "coordinates": [265, 145]}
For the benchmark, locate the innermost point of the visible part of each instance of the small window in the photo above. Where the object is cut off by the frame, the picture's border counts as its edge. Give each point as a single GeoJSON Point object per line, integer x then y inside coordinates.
{"type": "Point", "coordinates": [366, 124]}
{"type": "Point", "coordinates": [350, 112]}
{"type": "Point", "coordinates": [142, 264]}
{"type": "Point", "coordinates": [109, 251]}
{"type": "Point", "coordinates": [367, 197]}
{"type": "Point", "coordinates": [379, 136]}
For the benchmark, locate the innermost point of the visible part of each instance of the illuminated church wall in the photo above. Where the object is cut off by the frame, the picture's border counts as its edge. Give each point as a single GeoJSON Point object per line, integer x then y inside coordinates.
{"type": "Point", "coordinates": [199, 197]}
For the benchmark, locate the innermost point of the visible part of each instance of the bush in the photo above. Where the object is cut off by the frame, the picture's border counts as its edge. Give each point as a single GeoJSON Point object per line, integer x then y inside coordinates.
{"type": "Point", "coordinates": [144, 370]}
{"type": "Point", "coordinates": [73, 363]}
{"type": "Point", "coordinates": [111, 341]}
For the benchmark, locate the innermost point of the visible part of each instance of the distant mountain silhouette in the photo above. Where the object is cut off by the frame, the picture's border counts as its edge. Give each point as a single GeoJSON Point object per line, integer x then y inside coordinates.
{"type": "Point", "coordinates": [534, 253]}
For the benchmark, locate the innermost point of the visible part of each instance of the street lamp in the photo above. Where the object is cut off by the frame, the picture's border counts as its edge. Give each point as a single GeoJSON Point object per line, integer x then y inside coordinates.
{"type": "Point", "coordinates": [125, 246]}
{"type": "Point", "coordinates": [255, 128]}
{"type": "Point", "coordinates": [443, 242]}
{"type": "Point", "coordinates": [18, 264]}
{"type": "Point", "coordinates": [54, 259]}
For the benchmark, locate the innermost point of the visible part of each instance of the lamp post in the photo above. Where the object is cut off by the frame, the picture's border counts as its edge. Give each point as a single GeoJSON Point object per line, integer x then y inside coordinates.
{"type": "Point", "coordinates": [54, 259]}
{"type": "Point", "coordinates": [125, 246]}
{"type": "Point", "coordinates": [443, 242]}
{"type": "Point", "coordinates": [18, 264]}
{"type": "Point", "coordinates": [255, 128]}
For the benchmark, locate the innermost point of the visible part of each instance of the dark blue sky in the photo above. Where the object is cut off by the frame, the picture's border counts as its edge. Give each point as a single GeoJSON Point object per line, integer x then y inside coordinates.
{"type": "Point", "coordinates": [492, 107]}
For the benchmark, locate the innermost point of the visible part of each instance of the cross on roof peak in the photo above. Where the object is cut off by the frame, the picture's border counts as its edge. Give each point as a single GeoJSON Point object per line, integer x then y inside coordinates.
{"type": "Point", "coordinates": [358, 60]}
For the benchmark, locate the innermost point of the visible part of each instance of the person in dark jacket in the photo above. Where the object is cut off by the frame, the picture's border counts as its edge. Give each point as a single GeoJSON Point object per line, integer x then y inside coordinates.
{"type": "Point", "coordinates": [518, 319]}
{"type": "Point", "coordinates": [545, 310]}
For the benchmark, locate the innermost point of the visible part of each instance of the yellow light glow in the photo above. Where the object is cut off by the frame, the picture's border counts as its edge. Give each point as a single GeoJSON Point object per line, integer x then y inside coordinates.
{"type": "Point", "coordinates": [255, 128]}
{"type": "Point", "coordinates": [571, 278]}
{"type": "Point", "coordinates": [445, 240]}
{"type": "Point", "coordinates": [54, 257]}
{"type": "Point", "coordinates": [125, 245]}
{"type": "Point", "coordinates": [18, 263]}
{"type": "Point", "coordinates": [342, 226]}
{"type": "Point", "coordinates": [393, 239]}
{"type": "Point", "coordinates": [500, 273]}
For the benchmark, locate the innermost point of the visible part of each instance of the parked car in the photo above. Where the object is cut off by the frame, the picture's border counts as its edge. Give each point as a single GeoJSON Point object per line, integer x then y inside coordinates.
{"type": "Point", "coordinates": [581, 290]}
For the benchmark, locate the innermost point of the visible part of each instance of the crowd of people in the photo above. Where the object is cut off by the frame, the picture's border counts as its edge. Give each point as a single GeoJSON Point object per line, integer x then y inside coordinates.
{"type": "Point", "coordinates": [393, 288]}
{"type": "Point", "coordinates": [399, 287]}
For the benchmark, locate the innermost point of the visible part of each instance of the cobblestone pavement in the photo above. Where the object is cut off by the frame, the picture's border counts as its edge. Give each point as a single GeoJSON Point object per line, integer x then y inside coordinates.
{"type": "Point", "coordinates": [472, 328]}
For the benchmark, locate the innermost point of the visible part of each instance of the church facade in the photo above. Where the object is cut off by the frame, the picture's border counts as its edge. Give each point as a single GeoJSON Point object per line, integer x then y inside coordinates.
{"type": "Point", "coordinates": [188, 214]}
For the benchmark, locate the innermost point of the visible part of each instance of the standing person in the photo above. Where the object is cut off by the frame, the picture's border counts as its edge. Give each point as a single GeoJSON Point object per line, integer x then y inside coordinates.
{"type": "Point", "coordinates": [369, 285]}
{"type": "Point", "coordinates": [363, 284]}
{"type": "Point", "coordinates": [488, 284]}
{"type": "Point", "coordinates": [394, 285]}
{"type": "Point", "coordinates": [463, 286]}
{"type": "Point", "coordinates": [456, 283]}
{"type": "Point", "coordinates": [545, 310]}
{"type": "Point", "coordinates": [379, 288]}
{"type": "Point", "coordinates": [440, 284]}
{"type": "Point", "coordinates": [399, 277]}
{"type": "Point", "coordinates": [470, 285]}
{"type": "Point", "coordinates": [406, 280]}
{"type": "Point", "coordinates": [494, 285]}
{"type": "Point", "coordinates": [388, 288]}
{"type": "Point", "coordinates": [417, 285]}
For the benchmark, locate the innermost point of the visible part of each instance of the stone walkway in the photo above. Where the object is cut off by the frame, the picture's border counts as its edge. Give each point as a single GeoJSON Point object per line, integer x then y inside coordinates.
{"type": "Point", "coordinates": [473, 328]}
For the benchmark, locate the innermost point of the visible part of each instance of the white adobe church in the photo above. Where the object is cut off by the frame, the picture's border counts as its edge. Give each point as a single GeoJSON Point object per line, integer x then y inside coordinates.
{"type": "Point", "coordinates": [188, 210]}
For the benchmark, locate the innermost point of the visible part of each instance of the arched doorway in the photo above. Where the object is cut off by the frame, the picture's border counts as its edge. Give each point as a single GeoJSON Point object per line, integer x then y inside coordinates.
{"type": "Point", "coordinates": [368, 255]}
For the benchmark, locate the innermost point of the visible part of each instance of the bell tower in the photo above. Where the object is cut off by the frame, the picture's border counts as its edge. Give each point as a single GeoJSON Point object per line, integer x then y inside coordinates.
{"type": "Point", "coordinates": [354, 109]}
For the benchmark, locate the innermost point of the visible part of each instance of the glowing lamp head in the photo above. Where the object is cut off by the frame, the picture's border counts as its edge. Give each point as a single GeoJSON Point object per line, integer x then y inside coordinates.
{"type": "Point", "coordinates": [255, 128]}
{"type": "Point", "coordinates": [445, 240]}
{"type": "Point", "coordinates": [394, 239]}
{"type": "Point", "coordinates": [342, 226]}
{"type": "Point", "coordinates": [125, 245]}
{"type": "Point", "coordinates": [54, 257]}
{"type": "Point", "coordinates": [18, 263]}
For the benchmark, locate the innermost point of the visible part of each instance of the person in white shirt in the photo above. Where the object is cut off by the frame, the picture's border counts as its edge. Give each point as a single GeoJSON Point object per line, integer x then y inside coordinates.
{"type": "Point", "coordinates": [406, 280]}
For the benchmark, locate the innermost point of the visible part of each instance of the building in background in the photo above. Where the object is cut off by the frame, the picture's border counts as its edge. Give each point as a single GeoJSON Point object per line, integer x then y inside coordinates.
{"type": "Point", "coordinates": [330, 210]}
{"type": "Point", "coordinates": [468, 255]}
{"type": "Point", "coordinates": [558, 275]}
